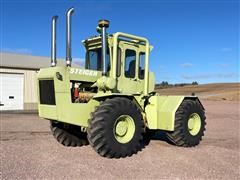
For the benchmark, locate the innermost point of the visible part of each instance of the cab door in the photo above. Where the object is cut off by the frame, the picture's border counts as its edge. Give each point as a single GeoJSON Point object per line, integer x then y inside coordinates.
{"type": "Point", "coordinates": [127, 72]}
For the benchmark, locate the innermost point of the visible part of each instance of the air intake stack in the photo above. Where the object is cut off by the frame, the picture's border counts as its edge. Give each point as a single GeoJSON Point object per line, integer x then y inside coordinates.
{"type": "Point", "coordinates": [104, 24]}
{"type": "Point", "coordinates": [53, 44]}
{"type": "Point", "coordinates": [68, 37]}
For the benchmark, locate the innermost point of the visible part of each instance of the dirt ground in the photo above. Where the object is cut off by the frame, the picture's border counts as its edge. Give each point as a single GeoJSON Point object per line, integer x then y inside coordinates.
{"type": "Point", "coordinates": [28, 151]}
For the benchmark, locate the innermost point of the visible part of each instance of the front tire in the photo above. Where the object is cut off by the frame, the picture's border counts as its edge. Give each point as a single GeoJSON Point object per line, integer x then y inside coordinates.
{"type": "Point", "coordinates": [67, 134]}
{"type": "Point", "coordinates": [116, 128]}
{"type": "Point", "coordinates": [189, 124]}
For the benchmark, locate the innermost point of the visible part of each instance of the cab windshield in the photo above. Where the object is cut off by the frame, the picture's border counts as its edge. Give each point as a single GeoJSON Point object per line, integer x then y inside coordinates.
{"type": "Point", "coordinates": [94, 59]}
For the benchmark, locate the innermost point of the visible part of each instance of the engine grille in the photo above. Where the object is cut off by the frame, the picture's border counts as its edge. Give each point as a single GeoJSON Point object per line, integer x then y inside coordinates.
{"type": "Point", "coordinates": [47, 92]}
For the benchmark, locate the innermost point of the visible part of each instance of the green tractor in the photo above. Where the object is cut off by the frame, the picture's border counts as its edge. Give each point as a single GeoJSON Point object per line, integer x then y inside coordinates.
{"type": "Point", "coordinates": [111, 103]}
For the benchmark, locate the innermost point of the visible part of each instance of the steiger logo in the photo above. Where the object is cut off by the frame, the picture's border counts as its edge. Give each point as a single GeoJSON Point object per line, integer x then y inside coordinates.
{"type": "Point", "coordinates": [83, 72]}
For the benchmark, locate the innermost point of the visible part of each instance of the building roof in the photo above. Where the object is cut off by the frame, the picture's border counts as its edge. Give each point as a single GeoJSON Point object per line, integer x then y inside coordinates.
{"type": "Point", "coordinates": [22, 61]}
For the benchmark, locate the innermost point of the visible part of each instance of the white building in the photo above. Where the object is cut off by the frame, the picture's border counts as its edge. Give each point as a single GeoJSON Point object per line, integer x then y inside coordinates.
{"type": "Point", "coordinates": [18, 84]}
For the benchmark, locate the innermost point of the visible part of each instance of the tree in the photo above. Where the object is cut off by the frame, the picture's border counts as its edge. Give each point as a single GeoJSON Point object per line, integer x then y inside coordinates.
{"type": "Point", "coordinates": [164, 83]}
{"type": "Point", "coordinates": [194, 83]}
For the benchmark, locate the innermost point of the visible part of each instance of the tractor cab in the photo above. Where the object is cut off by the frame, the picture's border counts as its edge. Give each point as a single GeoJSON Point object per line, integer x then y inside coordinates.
{"type": "Point", "coordinates": [129, 62]}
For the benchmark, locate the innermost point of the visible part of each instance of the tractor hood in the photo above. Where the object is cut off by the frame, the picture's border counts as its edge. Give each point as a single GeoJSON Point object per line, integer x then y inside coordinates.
{"type": "Point", "coordinates": [69, 74]}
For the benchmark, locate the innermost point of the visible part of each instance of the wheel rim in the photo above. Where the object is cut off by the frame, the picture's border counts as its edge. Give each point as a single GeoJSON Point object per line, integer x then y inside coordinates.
{"type": "Point", "coordinates": [194, 124]}
{"type": "Point", "coordinates": [124, 129]}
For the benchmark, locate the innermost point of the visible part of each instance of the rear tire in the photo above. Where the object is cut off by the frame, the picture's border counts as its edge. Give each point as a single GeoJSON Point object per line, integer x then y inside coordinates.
{"type": "Point", "coordinates": [189, 124]}
{"type": "Point", "coordinates": [68, 135]}
{"type": "Point", "coordinates": [116, 128]}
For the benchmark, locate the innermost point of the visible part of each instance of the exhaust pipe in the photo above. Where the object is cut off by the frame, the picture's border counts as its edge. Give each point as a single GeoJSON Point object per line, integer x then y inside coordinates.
{"type": "Point", "coordinates": [53, 45]}
{"type": "Point", "coordinates": [68, 37]}
{"type": "Point", "coordinates": [104, 24]}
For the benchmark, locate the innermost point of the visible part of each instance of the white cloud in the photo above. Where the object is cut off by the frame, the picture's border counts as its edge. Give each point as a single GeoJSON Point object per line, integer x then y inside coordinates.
{"type": "Point", "coordinates": [226, 49]}
{"type": "Point", "coordinates": [161, 67]}
{"type": "Point", "coordinates": [223, 65]}
{"type": "Point", "coordinates": [210, 76]}
{"type": "Point", "coordinates": [18, 51]}
{"type": "Point", "coordinates": [186, 65]}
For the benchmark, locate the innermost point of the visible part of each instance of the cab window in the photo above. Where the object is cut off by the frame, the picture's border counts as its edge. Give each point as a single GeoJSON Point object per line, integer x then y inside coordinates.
{"type": "Point", "coordinates": [94, 59]}
{"type": "Point", "coordinates": [119, 55]}
{"type": "Point", "coordinates": [141, 67]}
{"type": "Point", "coordinates": [130, 62]}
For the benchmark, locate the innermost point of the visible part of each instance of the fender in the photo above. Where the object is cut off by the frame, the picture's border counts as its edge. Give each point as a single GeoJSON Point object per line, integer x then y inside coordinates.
{"type": "Point", "coordinates": [136, 99]}
{"type": "Point", "coordinates": [160, 111]}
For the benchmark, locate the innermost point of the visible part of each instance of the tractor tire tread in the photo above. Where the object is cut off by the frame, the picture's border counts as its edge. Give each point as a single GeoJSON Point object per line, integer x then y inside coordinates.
{"type": "Point", "coordinates": [102, 115]}
{"type": "Point", "coordinates": [179, 137]}
{"type": "Point", "coordinates": [66, 137]}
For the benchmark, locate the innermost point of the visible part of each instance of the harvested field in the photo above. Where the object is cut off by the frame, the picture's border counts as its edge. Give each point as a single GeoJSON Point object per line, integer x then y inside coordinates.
{"type": "Point", "coordinates": [218, 91]}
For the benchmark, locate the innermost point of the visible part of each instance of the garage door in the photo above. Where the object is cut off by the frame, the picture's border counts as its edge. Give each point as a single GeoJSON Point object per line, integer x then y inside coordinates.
{"type": "Point", "coordinates": [11, 96]}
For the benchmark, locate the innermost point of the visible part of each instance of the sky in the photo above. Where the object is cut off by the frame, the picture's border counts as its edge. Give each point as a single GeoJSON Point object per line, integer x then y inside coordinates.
{"type": "Point", "coordinates": [194, 40]}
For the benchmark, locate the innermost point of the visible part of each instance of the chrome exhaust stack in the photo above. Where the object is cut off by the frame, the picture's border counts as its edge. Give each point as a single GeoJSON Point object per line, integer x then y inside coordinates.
{"type": "Point", "coordinates": [104, 24]}
{"type": "Point", "coordinates": [53, 44]}
{"type": "Point", "coordinates": [68, 37]}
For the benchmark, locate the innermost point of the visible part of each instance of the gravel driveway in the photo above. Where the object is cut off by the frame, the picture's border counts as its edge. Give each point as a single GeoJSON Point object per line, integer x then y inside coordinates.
{"type": "Point", "coordinates": [28, 151]}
